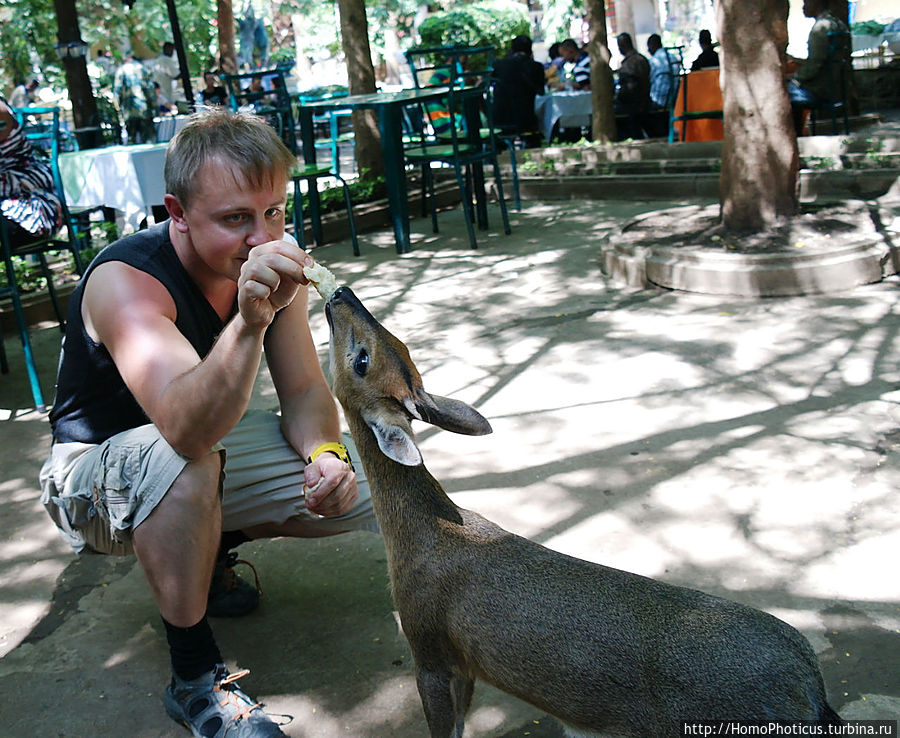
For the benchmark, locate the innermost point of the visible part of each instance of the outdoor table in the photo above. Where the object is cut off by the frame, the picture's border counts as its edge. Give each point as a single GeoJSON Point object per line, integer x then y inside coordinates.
{"type": "Point", "coordinates": [389, 106]}
{"type": "Point", "coordinates": [128, 178]}
{"type": "Point", "coordinates": [569, 108]}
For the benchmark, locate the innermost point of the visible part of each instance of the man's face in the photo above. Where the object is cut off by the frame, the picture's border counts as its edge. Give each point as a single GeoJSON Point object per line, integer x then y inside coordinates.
{"type": "Point", "coordinates": [568, 53]}
{"type": "Point", "coordinates": [226, 217]}
{"type": "Point", "coordinates": [811, 8]}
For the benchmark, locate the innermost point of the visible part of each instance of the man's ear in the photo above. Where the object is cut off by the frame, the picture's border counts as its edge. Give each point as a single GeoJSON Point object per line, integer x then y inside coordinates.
{"type": "Point", "coordinates": [176, 212]}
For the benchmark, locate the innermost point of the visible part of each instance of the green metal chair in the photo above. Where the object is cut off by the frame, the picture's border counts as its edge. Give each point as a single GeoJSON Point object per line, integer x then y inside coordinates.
{"type": "Point", "coordinates": [275, 105]}
{"type": "Point", "coordinates": [454, 132]}
{"type": "Point", "coordinates": [272, 102]}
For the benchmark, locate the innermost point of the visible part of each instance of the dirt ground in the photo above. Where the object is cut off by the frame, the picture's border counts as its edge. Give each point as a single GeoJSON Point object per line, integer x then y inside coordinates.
{"type": "Point", "coordinates": [748, 448]}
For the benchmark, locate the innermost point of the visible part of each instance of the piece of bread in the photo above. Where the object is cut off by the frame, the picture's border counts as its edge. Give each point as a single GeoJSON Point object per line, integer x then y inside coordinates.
{"type": "Point", "coordinates": [322, 279]}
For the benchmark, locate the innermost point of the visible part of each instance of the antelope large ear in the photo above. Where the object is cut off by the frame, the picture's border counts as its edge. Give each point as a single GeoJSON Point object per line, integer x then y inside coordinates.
{"type": "Point", "coordinates": [395, 442]}
{"type": "Point", "coordinates": [451, 415]}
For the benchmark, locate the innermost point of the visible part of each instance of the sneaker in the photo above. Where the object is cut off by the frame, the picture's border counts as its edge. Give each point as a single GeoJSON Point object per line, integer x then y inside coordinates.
{"type": "Point", "coordinates": [213, 706]}
{"type": "Point", "coordinates": [229, 595]}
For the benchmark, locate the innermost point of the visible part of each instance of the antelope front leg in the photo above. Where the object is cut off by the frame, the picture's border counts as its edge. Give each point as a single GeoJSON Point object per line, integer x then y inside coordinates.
{"type": "Point", "coordinates": [445, 698]}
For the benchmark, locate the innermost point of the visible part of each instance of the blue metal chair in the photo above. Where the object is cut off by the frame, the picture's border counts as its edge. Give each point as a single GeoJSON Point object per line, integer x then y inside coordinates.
{"type": "Point", "coordinates": [41, 127]}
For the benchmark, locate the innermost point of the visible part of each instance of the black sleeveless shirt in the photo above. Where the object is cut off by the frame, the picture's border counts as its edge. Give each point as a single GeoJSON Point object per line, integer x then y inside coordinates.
{"type": "Point", "coordinates": [92, 402]}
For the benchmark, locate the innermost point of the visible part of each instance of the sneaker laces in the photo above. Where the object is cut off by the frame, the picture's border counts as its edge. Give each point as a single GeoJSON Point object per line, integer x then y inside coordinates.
{"type": "Point", "coordinates": [229, 579]}
{"type": "Point", "coordinates": [226, 692]}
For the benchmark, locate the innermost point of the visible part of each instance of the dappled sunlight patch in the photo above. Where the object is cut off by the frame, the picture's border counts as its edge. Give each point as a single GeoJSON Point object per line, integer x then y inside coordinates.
{"type": "Point", "coordinates": [394, 703]}
{"type": "Point", "coordinates": [485, 719]}
{"type": "Point", "coordinates": [528, 512]}
{"type": "Point", "coordinates": [18, 617]}
{"type": "Point", "coordinates": [856, 570]}
{"type": "Point", "coordinates": [18, 489]}
{"type": "Point", "coordinates": [143, 640]}
{"type": "Point", "coordinates": [30, 574]}
{"type": "Point", "coordinates": [808, 621]}
{"type": "Point", "coordinates": [611, 538]}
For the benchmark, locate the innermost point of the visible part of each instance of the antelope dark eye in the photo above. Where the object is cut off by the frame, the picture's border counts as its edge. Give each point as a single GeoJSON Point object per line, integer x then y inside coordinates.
{"type": "Point", "coordinates": [361, 365]}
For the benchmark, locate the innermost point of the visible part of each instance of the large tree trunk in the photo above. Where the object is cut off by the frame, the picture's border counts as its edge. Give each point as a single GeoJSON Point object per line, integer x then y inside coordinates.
{"type": "Point", "coordinates": [361, 78]}
{"type": "Point", "coordinates": [603, 119]}
{"type": "Point", "coordinates": [81, 95]}
{"type": "Point", "coordinates": [225, 24]}
{"type": "Point", "coordinates": [758, 183]}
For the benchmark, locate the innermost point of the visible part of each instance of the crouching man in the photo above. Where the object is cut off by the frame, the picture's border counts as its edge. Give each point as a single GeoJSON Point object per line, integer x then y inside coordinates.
{"type": "Point", "coordinates": [153, 450]}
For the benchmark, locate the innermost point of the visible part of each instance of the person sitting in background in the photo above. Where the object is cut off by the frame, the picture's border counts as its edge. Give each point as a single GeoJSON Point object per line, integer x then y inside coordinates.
{"type": "Point", "coordinates": [810, 84]}
{"type": "Point", "coordinates": [633, 91]}
{"type": "Point", "coordinates": [553, 69]}
{"type": "Point", "coordinates": [165, 71]}
{"type": "Point", "coordinates": [27, 192]}
{"type": "Point", "coordinates": [214, 93]}
{"type": "Point", "coordinates": [581, 72]}
{"type": "Point", "coordinates": [163, 106]}
{"type": "Point", "coordinates": [518, 80]}
{"type": "Point", "coordinates": [708, 57]}
{"type": "Point", "coordinates": [23, 94]}
{"type": "Point", "coordinates": [660, 72]}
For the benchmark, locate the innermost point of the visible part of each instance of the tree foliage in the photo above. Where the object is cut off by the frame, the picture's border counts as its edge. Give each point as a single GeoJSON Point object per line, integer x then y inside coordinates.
{"type": "Point", "coordinates": [28, 33]}
{"type": "Point", "coordinates": [485, 23]}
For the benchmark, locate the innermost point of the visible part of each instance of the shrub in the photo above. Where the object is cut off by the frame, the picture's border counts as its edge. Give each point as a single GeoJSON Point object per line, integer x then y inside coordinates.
{"type": "Point", "coordinates": [487, 23]}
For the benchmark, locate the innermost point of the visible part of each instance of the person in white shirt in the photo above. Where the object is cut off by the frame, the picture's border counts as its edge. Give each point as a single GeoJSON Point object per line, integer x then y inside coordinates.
{"type": "Point", "coordinates": [23, 94]}
{"type": "Point", "coordinates": [165, 71]}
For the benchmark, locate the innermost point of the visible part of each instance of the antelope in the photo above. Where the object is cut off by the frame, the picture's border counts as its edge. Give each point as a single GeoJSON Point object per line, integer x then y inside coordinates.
{"type": "Point", "coordinates": [604, 651]}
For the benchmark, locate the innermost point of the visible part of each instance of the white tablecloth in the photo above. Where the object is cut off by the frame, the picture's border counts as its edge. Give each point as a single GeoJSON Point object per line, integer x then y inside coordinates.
{"type": "Point", "coordinates": [571, 109]}
{"type": "Point", "coordinates": [128, 178]}
{"type": "Point", "coordinates": [168, 125]}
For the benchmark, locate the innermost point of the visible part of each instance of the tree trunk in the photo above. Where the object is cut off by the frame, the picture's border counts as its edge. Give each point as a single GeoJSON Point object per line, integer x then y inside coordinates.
{"type": "Point", "coordinates": [225, 23]}
{"type": "Point", "coordinates": [84, 106]}
{"type": "Point", "coordinates": [625, 18]}
{"type": "Point", "coordinates": [603, 118]}
{"type": "Point", "coordinates": [361, 79]}
{"type": "Point", "coordinates": [758, 182]}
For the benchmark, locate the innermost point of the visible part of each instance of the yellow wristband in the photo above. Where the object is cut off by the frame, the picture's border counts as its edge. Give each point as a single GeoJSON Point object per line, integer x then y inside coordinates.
{"type": "Point", "coordinates": [338, 449]}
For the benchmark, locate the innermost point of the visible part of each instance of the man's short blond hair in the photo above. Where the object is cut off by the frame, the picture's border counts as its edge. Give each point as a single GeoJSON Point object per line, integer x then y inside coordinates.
{"type": "Point", "coordinates": [258, 156]}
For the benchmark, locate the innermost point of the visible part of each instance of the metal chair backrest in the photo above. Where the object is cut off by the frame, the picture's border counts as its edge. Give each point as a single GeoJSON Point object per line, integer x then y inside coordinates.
{"type": "Point", "coordinates": [676, 71]}
{"type": "Point", "coordinates": [273, 102]}
{"type": "Point", "coordinates": [440, 66]}
{"type": "Point", "coordinates": [459, 68]}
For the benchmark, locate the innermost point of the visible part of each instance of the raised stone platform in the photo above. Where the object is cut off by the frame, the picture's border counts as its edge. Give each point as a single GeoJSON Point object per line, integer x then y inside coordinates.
{"type": "Point", "coordinates": [827, 249]}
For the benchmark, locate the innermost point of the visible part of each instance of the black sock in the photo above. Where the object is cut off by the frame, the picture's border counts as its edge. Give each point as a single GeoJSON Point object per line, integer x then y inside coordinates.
{"type": "Point", "coordinates": [193, 650]}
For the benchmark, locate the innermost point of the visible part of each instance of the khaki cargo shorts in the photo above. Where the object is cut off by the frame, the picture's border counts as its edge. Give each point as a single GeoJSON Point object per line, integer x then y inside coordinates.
{"type": "Point", "coordinates": [97, 494]}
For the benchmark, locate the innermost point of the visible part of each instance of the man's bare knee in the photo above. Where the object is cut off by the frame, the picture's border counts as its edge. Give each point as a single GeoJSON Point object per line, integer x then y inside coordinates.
{"type": "Point", "coordinates": [200, 482]}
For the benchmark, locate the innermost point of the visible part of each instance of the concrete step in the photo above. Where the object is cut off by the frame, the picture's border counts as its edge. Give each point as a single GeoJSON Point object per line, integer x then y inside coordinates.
{"type": "Point", "coordinates": [814, 184]}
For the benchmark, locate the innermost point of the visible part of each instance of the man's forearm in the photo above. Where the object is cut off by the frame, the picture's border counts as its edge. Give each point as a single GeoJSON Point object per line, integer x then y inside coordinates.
{"type": "Point", "coordinates": [201, 406]}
